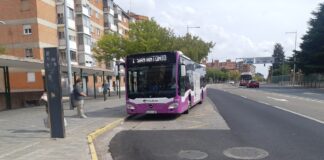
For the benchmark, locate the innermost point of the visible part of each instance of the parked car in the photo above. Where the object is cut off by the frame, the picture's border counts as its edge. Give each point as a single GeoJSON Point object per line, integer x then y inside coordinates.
{"type": "Point", "coordinates": [253, 84]}
{"type": "Point", "coordinates": [231, 82]}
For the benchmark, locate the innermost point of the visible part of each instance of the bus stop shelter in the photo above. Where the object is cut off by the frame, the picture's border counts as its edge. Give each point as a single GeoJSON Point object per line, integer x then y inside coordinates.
{"type": "Point", "coordinates": [14, 64]}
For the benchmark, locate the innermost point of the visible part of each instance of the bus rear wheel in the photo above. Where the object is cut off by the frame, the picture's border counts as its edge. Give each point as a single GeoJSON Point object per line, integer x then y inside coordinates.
{"type": "Point", "coordinates": [201, 97]}
{"type": "Point", "coordinates": [189, 106]}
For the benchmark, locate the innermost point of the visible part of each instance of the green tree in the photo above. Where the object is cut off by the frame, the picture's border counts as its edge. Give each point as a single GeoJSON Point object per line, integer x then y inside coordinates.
{"type": "Point", "coordinates": [282, 70]}
{"type": "Point", "coordinates": [259, 77]}
{"type": "Point", "coordinates": [278, 55]}
{"type": "Point", "coordinates": [310, 58]}
{"type": "Point", "coordinates": [193, 47]}
{"type": "Point", "coordinates": [234, 75]}
{"type": "Point", "coordinates": [108, 47]}
{"type": "Point", "coordinates": [2, 50]}
{"type": "Point", "coordinates": [148, 36]}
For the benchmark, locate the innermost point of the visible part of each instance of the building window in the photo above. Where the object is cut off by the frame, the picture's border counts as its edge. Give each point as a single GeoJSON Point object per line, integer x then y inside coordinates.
{"type": "Point", "coordinates": [97, 15]}
{"type": "Point", "coordinates": [24, 5]}
{"type": "Point", "coordinates": [31, 77]}
{"type": "Point", "coordinates": [29, 53]}
{"type": "Point", "coordinates": [73, 56]}
{"type": "Point", "coordinates": [60, 18]}
{"type": "Point", "coordinates": [92, 29]}
{"type": "Point", "coordinates": [71, 14]}
{"type": "Point", "coordinates": [62, 57]}
{"type": "Point", "coordinates": [72, 38]}
{"type": "Point", "coordinates": [27, 29]}
{"type": "Point", "coordinates": [61, 35]}
{"type": "Point", "coordinates": [98, 31]}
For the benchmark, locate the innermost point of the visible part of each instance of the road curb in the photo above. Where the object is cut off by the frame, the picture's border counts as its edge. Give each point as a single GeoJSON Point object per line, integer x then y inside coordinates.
{"type": "Point", "coordinates": [92, 136]}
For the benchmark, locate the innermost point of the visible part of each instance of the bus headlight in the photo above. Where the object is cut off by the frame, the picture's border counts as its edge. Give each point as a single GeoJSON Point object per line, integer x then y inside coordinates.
{"type": "Point", "coordinates": [129, 106]}
{"type": "Point", "coordinates": [173, 106]}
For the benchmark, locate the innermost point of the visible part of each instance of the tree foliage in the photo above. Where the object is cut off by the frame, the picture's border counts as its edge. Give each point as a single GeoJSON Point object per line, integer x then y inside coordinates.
{"type": "Point", "coordinates": [193, 47]}
{"type": "Point", "coordinates": [278, 55]}
{"type": "Point", "coordinates": [282, 70]}
{"type": "Point", "coordinates": [2, 50]}
{"type": "Point", "coordinates": [310, 58]}
{"type": "Point", "coordinates": [216, 75]}
{"type": "Point", "coordinates": [259, 77]}
{"type": "Point", "coordinates": [108, 47]}
{"type": "Point", "coordinates": [149, 36]}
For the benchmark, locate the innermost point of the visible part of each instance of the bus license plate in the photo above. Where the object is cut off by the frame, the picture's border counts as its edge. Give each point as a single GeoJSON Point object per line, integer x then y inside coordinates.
{"type": "Point", "coordinates": [151, 112]}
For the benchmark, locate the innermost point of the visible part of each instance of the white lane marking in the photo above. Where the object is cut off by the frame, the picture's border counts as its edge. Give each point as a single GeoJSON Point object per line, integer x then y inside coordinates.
{"type": "Point", "coordinates": [263, 102]}
{"type": "Point", "coordinates": [243, 97]}
{"type": "Point", "coordinates": [299, 114]}
{"type": "Point", "coordinates": [311, 93]}
{"type": "Point", "coordinates": [297, 97]}
{"type": "Point", "coordinates": [278, 99]}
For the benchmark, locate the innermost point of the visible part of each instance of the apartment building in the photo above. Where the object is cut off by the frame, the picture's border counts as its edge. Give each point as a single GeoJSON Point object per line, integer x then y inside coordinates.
{"type": "Point", "coordinates": [29, 26]}
{"type": "Point", "coordinates": [32, 25]}
{"type": "Point", "coordinates": [136, 17]}
{"type": "Point", "coordinates": [242, 67]}
{"type": "Point", "coordinates": [227, 65]}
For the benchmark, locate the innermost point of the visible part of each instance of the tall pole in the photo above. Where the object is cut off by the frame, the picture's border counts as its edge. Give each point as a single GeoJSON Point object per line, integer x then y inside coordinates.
{"type": "Point", "coordinates": [119, 79]}
{"type": "Point", "coordinates": [294, 71]}
{"type": "Point", "coordinates": [68, 54]}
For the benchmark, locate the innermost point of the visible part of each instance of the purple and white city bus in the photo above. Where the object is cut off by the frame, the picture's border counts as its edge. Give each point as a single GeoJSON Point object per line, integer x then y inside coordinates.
{"type": "Point", "coordinates": [163, 83]}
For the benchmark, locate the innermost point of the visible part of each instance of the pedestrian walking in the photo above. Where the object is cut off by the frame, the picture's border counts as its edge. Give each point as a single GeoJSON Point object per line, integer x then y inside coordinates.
{"type": "Point", "coordinates": [46, 120]}
{"type": "Point", "coordinates": [79, 98]}
{"type": "Point", "coordinates": [106, 90]}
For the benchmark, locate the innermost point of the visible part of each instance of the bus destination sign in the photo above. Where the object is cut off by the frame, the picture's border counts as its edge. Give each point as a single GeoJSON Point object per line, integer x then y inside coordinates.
{"type": "Point", "coordinates": [154, 58]}
{"type": "Point", "coordinates": [151, 59]}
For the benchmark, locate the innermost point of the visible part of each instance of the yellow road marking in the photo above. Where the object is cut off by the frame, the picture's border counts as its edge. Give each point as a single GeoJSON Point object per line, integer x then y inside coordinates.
{"type": "Point", "coordinates": [92, 136]}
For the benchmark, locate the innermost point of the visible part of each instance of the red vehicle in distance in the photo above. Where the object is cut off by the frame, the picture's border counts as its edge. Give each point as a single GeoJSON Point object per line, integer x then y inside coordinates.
{"type": "Point", "coordinates": [245, 78]}
{"type": "Point", "coordinates": [253, 84]}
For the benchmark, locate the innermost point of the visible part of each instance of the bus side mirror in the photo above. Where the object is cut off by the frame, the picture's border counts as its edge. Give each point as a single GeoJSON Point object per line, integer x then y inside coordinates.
{"type": "Point", "coordinates": [183, 70]}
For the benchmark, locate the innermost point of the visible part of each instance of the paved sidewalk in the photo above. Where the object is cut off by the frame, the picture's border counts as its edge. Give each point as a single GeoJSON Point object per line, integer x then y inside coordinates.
{"type": "Point", "coordinates": [24, 137]}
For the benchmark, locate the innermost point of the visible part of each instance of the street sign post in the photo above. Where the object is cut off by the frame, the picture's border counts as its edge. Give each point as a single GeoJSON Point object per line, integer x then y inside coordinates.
{"type": "Point", "coordinates": [263, 60]}
{"type": "Point", "coordinates": [54, 92]}
{"type": "Point", "coordinates": [248, 60]}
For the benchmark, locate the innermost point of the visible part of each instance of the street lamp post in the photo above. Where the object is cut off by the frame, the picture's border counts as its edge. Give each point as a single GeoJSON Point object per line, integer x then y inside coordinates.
{"type": "Point", "coordinates": [118, 63]}
{"type": "Point", "coordinates": [191, 27]}
{"type": "Point", "coordinates": [68, 54]}
{"type": "Point", "coordinates": [294, 72]}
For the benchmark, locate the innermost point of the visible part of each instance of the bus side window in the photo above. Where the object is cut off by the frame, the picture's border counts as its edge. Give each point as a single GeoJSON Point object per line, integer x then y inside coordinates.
{"type": "Point", "coordinates": [181, 82]}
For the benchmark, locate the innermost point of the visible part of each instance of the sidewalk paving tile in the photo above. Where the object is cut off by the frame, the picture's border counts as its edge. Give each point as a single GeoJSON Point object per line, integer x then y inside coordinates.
{"type": "Point", "coordinates": [24, 137]}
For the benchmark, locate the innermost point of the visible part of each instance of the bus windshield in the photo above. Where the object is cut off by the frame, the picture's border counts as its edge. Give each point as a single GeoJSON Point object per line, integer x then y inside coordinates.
{"type": "Point", "coordinates": [246, 77]}
{"type": "Point", "coordinates": [152, 81]}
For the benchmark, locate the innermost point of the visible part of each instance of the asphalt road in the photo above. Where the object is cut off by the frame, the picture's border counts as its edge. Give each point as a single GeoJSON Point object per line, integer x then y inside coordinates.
{"type": "Point", "coordinates": [312, 93]}
{"type": "Point", "coordinates": [269, 132]}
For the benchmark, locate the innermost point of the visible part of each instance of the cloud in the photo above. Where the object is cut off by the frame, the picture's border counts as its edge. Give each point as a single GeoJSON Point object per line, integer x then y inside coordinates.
{"type": "Point", "coordinates": [231, 45]}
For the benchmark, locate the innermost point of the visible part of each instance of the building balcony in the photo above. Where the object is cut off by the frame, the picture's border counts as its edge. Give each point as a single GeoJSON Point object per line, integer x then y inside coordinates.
{"type": "Point", "coordinates": [71, 24]}
{"type": "Point", "coordinates": [83, 29]}
{"type": "Point", "coordinates": [111, 27]}
{"type": "Point", "coordinates": [85, 48]}
{"type": "Point", "coordinates": [82, 9]}
{"type": "Point", "coordinates": [118, 17]}
{"type": "Point", "coordinates": [72, 44]}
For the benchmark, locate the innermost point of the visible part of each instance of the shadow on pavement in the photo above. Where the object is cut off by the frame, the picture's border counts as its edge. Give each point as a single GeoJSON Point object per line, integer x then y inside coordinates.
{"type": "Point", "coordinates": [28, 131]}
{"type": "Point", "coordinates": [153, 117]}
{"type": "Point", "coordinates": [107, 112]}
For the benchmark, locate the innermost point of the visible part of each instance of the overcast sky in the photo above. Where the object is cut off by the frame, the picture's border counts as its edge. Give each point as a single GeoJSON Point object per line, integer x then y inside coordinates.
{"type": "Point", "coordinates": [240, 28]}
